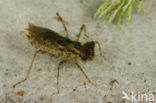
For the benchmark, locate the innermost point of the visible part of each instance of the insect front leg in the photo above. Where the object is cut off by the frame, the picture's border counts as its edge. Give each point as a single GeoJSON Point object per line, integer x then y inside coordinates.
{"type": "Point", "coordinates": [79, 67]}
{"type": "Point", "coordinates": [30, 68]}
{"type": "Point", "coordinates": [83, 27]}
{"type": "Point", "coordinates": [60, 63]}
{"type": "Point", "coordinates": [63, 23]}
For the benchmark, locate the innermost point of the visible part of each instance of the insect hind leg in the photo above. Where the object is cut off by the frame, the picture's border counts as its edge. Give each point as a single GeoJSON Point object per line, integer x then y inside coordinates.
{"type": "Point", "coordinates": [30, 68]}
{"type": "Point", "coordinates": [63, 23]}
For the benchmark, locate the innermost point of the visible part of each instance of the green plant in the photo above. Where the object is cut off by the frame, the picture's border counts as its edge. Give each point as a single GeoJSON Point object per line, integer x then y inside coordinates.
{"type": "Point", "coordinates": [116, 10]}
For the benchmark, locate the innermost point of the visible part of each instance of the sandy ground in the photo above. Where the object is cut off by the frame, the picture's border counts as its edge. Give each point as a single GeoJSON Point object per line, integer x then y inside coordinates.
{"type": "Point", "coordinates": [129, 64]}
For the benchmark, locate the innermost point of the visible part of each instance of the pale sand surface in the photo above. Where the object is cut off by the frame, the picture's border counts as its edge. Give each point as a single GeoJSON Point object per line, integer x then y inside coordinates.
{"type": "Point", "coordinates": [130, 54]}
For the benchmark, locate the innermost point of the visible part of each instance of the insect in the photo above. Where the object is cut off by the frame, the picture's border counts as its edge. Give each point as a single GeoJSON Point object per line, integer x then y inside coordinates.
{"type": "Point", "coordinates": [52, 43]}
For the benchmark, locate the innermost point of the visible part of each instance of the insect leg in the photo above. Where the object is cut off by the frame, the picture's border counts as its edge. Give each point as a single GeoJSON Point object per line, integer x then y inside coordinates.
{"type": "Point", "coordinates": [60, 63]}
{"type": "Point", "coordinates": [83, 27]}
{"type": "Point", "coordinates": [82, 71]}
{"type": "Point", "coordinates": [64, 26]}
{"type": "Point", "coordinates": [39, 51]}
